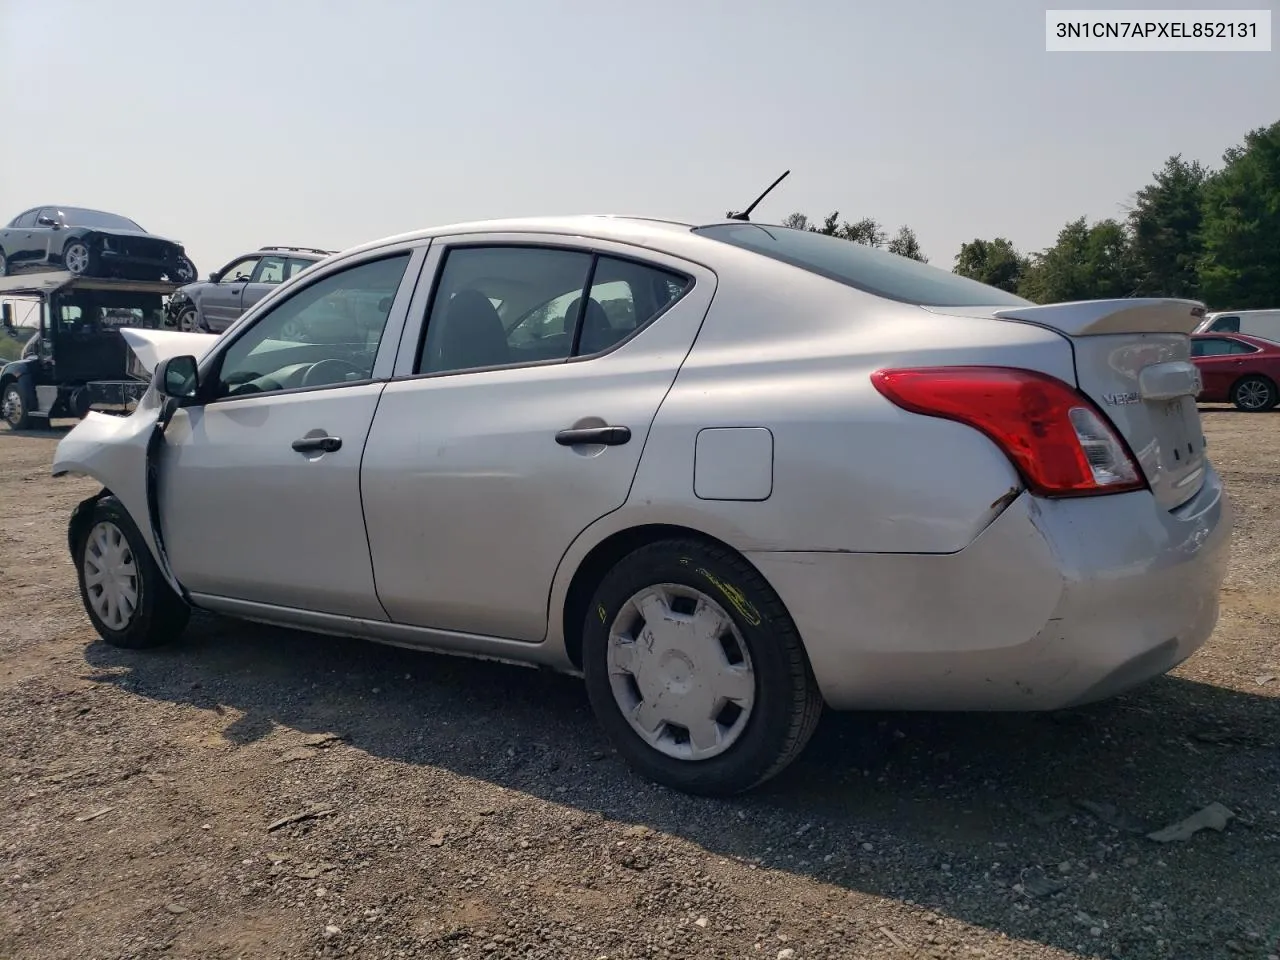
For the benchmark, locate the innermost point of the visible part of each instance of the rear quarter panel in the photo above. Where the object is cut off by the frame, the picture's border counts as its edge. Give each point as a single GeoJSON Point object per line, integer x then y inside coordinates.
{"type": "Point", "coordinates": [792, 352]}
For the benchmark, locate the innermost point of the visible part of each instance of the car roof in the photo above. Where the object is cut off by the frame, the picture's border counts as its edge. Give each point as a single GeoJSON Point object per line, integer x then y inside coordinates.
{"type": "Point", "coordinates": [631, 229]}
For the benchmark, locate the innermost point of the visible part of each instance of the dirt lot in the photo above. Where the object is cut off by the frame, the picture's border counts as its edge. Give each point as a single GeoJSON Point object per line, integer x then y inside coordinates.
{"type": "Point", "coordinates": [464, 809]}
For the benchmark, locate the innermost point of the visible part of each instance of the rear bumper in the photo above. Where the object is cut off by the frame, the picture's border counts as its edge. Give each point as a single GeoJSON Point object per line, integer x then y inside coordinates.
{"type": "Point", "coordinates": [1056, 603]}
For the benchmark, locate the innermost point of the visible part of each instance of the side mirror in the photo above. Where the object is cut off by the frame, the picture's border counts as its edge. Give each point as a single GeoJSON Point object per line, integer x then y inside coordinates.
{"type": "Point", "coordinates": [46, 222]}
{"type": "Point", "coordinates": [215, 276]}
{"type": "Point", "coordinates": [177, 377]}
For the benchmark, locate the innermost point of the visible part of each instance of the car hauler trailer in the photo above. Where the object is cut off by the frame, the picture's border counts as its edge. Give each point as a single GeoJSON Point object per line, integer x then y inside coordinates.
{"type": "Point", "coordinates": [77, 360]}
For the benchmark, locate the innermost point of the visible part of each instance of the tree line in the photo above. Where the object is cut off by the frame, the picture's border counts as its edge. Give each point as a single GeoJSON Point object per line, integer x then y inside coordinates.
{"type": "Point", "coordinates": [1192, 232]}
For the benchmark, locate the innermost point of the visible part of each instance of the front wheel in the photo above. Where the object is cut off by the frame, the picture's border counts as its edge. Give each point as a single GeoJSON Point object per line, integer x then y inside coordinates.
{"type": "Point", "coordinates": [1254, 394]}
{"type": "Point", "coordinates": [695, 671]}
{"type": "Point", "coordinates": [14, 407]}
{"type": "Point", "coordinates": [123, 591]}
{"type": "Point", "coordinates": [77, 258]}
{"type": "Point", "coordinates": [189, 321]}
{"type": "Point", "coordinates": [4, 265]}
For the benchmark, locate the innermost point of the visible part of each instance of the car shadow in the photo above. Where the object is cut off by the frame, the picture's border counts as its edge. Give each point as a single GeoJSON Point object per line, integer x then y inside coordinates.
{"type": "Point", "coordinates": [976, 817]}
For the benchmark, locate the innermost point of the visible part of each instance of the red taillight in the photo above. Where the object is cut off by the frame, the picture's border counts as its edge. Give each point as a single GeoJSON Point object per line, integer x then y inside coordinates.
{"type": "Point", "coordinates": [1059, 441]}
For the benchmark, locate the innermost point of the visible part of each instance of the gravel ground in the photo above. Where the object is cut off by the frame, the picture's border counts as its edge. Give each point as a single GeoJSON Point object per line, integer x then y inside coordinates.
{"type": "Point", "coordinates": [253, 792]}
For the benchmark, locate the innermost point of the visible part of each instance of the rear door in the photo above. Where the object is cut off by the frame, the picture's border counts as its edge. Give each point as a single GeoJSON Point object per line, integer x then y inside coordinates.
{"type": "Point", "coordinates": [472, 487]}
{"type": "Point", "coordinates": [1221, 361]}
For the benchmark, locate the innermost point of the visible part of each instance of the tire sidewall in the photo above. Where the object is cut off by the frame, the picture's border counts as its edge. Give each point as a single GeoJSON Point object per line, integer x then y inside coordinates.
{"type": "Point", "coordinates": [1271, 389]}
{"type": "Point", "coordinates": [141, 629]}
{"type": "Point", "coordinates": [750, 758]}
{"type": "Point", "coordinates": [4, 264]}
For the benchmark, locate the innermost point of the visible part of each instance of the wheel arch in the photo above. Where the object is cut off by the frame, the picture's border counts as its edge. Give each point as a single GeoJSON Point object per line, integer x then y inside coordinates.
{"type": "Point", "coordinates": [602, 557]}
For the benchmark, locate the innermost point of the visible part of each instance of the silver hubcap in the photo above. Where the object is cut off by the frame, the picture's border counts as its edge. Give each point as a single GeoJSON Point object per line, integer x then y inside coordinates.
{"type": "Point", "coordinates": [12, 406]}
{"type": "Point", "coordinates": [1253, 395]}
{"type": "Point", "coordinates": [187, 321]}
{"type": "Point", "coordinates": [76, 258]}
{"type": "Point", "coordinates": [680, 672]}
{"type": "Point", "coordinates": [110, 575]}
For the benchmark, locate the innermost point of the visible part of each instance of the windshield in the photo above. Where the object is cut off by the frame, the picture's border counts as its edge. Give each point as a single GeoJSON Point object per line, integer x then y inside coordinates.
{"type": "Point", "coordinates": [866, 268]}
{"type": "Point", "coordinates": [78, 217]}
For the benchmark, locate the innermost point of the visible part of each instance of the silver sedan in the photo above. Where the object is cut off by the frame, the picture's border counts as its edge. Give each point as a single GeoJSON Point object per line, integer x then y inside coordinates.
{"type": "Point", "coordinates": [728, 473]}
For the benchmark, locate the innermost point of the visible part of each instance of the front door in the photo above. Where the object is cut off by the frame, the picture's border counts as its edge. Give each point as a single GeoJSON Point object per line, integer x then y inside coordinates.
{"type": "Point", "coordinates": [260, 482]}
{"type": "Point", "coordinates": [473, 483]}
{"type": "Point", "coordinates": [221, 302]}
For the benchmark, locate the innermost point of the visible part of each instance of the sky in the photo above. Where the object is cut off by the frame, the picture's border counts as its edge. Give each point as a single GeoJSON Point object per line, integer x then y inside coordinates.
{"type": "Point", "coordinates": [330, 122]}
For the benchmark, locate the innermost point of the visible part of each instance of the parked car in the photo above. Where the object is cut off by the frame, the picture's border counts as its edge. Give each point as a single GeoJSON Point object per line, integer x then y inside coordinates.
{"type": "Point", "coordinates": [214, 304]}
{"type": "Point", "coordinates": [783, 470]}
{"type": "Point", "coordinates": [1255, 323]}
{"type": "Point", "coordinates": [90, 243]}
{"type": "Point", "coordinates": [1238, 369]}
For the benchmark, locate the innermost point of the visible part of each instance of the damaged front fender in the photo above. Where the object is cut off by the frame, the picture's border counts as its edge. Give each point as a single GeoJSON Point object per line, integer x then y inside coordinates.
{"type": "Point", "coordinates": [116, 451]}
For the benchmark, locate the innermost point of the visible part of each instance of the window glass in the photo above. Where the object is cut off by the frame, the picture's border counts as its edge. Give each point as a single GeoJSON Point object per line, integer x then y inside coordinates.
{"type": "Point", "coordinates": [1212, 347]}
{"type": "Point", "coordinates": [80, 217]}
{"type": "Point", "coordinates": [624, 297]}
{"type": "Point", "coordinates": [866, 268]}
{"type": "Point", "coordinates": [296, 266]}
{"type": "Point", "coordinates": [534, 286]}
{"type": "Point", "coordinates": [1238, 347]}
{"type": "Point", "coordinates": [1226, 325]}
{"type": "Point", "coordinates": [327, 333]}
{"type": "Point", "coordinates": [28, 219]}
{"type": "Point", "coordinates": [270, 270]}
{"type": "Point", "coordinates": [240, 270]}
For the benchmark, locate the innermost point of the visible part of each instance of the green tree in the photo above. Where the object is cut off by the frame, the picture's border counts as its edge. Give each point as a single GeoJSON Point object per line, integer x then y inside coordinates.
{"type": "Point", "coordinates": [993, 262]}
{"type": "Point", "coordinates": [1165, 228]}
{"type": "Point", "coordinates": [1087, 263]}
{"type": "Point", "coordinates": [1241, 226]}
{"type": "Point", "coordinates": [905, 244]}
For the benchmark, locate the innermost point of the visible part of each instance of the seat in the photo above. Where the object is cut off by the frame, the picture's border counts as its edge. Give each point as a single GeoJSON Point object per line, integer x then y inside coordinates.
{"type": "Point", "coordinates": [597, 333]}
{"type": "Point", "coordinates": [472, 334]}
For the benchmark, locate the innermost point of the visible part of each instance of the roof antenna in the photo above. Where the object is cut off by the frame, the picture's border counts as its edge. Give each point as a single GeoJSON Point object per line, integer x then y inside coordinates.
{"type": "Point", "coordinates": [745, 215]}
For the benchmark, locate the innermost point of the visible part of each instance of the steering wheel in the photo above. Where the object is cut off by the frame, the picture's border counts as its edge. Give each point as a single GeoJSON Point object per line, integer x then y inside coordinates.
{"type": "Point", "coordinates": [330, 371]}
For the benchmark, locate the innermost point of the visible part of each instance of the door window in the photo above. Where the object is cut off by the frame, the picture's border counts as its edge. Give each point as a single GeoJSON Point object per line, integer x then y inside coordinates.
{"type": "Point", "coordinates": [1218, 347]}
{"type": "Point", "coordinates": [270, 270]}
{"type": "Point", "coordinates": [326, 334]}
{"type": "Point", "coordinates": [1226, 325]}
{"type": "Point", "coordinates": [28, 219]}
{"type": "Point", "coordinates": [499, 306]}
{"type": "Point", "coordinates": [240, 270]}
{"type": "Point", "coordinates": [296, 266]}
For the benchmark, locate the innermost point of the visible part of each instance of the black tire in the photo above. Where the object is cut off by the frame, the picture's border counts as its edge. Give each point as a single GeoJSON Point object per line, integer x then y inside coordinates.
{"type": "Point", "coordinates": [185, 271]}
{"type": "Point", "coordinates": [1254, 394]}
{"type": "Point", "coordinates": [4, 264]}
{"type": "Point", "coordinates": [14, 407]}
{"type": "Point", "coordinates": [160, 615]}
{"type": "Point", "coordinates": [89, 260]}
{"type": "Point", "coordinates": [786, 705]}
{"type": "Point", "coordinates": [189, 321]}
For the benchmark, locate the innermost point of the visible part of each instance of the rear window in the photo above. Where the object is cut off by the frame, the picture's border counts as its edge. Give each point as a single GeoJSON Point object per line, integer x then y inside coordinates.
{"type": "Point", "coordinates": [866, 268]}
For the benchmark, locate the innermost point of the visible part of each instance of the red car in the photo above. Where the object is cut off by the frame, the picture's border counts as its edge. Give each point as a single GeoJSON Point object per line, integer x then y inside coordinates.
{"type": "Point", "coordinates": [1237, 369]}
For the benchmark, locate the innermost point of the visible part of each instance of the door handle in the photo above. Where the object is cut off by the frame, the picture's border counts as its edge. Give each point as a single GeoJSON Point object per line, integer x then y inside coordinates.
{"type": "Point", "coordinates": [610, 436]}
{"type": "Point", "coordinates": [323, 444]}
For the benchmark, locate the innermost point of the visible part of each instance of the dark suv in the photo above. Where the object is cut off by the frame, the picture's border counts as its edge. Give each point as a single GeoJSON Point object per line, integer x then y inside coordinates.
{"type": "Point", "coordinates": [210, 306]}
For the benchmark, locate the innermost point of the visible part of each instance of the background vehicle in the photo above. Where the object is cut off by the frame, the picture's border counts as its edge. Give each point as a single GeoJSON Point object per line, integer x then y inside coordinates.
{"type": "Point", "coordinates": [783, 470]}
{"type": "Point", "coordinates": [89, 243]}
{"type": "Point", "coordinates": [1255, 323]}
{"type": "Point", "coordinates": [77, 360]}
{"type": "Point", "coordinates": [213, 305]}
{"type": "Point", "coordinates": [1238, 369]}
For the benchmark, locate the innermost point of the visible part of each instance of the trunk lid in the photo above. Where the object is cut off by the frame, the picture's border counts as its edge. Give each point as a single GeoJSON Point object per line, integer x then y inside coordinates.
{"type": "Point", "coordinates": [1132, 358]}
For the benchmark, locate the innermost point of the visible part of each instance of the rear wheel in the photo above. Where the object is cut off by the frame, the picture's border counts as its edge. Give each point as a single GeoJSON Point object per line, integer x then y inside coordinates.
{"type": "Point", "coordinates": [14, 407]}
{"type": "Point", "coordinates": [1254, 394]}
{"type": "Point", "coordinates": [695, 671]}
{"type": "Point", "coordinates": [123, 591]}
